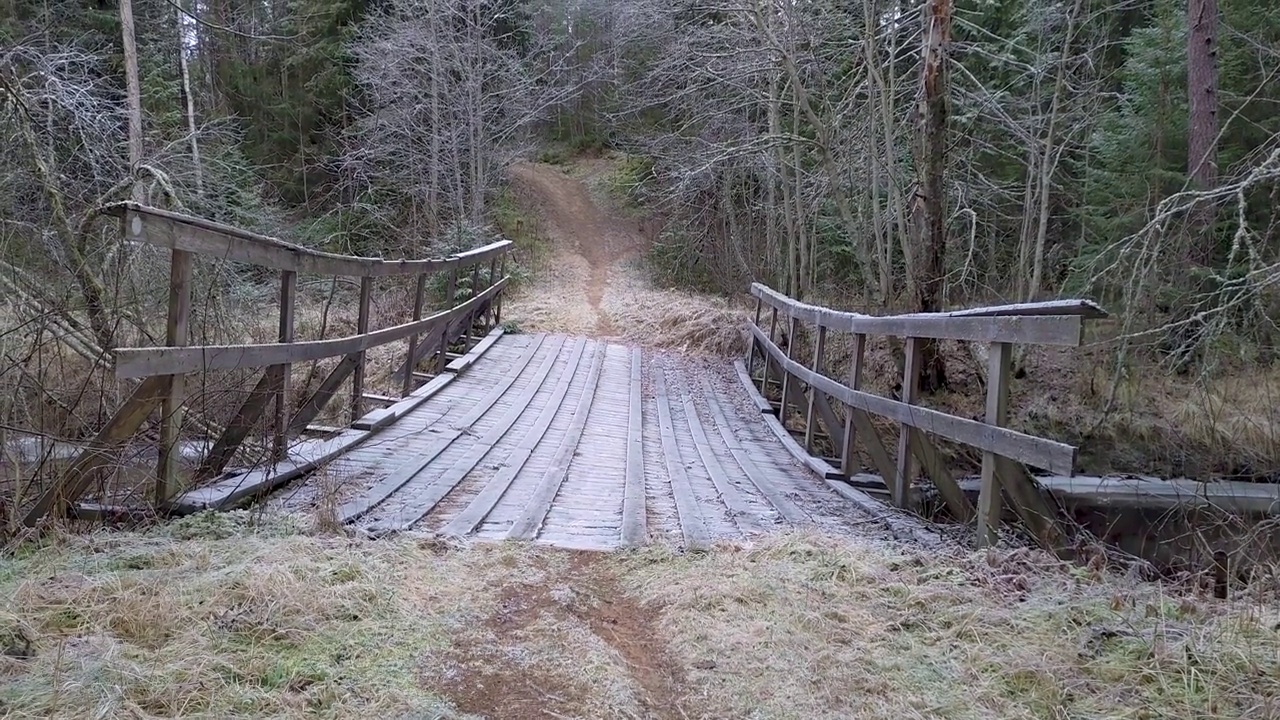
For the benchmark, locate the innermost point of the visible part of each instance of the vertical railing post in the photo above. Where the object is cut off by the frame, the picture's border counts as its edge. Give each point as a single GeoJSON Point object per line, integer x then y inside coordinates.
{"type": "Point", "coordinates": [450, 293]}
{"type": "Point", "coordinates": [176, 332]}
{"type": "Point", "coordinates": [419, 299]}
{"type": "Point", "coordinates": [283, 374]}
{"type": "Point", "coordinates": [755, 345]}
{"type": "Point", "coordinates": [793, 325]}
{"type": "Point", "coordinates": [773, 338]}
{"type": "Point", "coordinates": [848, 455]}
{"type": "Point", "coordinates": [901, 489]}
{"type": "Point", "coordinates": [998, 365]}
{"type": "Point", "coordinates": [362, 327]}
{"type": "Point", "coordinates": [493, 273]}
{"type": "Point", "coordinates": [475, 290]}
{"type": "Point", "coordinates": [497, 308]}
{"type": "Point", "coordinates": [819, 347]}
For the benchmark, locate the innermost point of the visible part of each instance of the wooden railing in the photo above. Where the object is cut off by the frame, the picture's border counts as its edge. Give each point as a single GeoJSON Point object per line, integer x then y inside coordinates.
{"type": "Point", "coordinates": [809, 393]}
{"type": "Point", "coordinates": [163, 370]}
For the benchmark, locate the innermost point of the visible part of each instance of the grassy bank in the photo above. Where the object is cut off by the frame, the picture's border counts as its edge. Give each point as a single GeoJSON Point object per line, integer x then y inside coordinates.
{"type": "Point", "coordinates": [224, 616]}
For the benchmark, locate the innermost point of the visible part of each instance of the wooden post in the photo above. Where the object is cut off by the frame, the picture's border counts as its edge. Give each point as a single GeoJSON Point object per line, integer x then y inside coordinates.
{"type": "Point", "coordinates": [819, 348]}
{"type": "Point", "coordinates": [171, 407]}
{"type": "Point", "coordinates": [419, 300]}
{"type": "Point", "coordinates": [792, 326]}
{"type": "Point", "coordinates": [764, 375]}
{"type": "Point", "coordinates": [475, 290]}
{"type": "Point", "coordinates": [998, 365]}
{"type": "Point", "coordinates": [283, 374]}
{"type": "Point", "coordinates": [751, 352]}
{"type": "Point", "coordinates": [493, 278]}
{"type": "Point", "coordinates": [502, 273]}
{"type": "Point", "coordinates": [362, 327]}
{"type": "Point", "coordinates": [450, 291]}
{"type": "Point", "coordinates": [848, 456]}
{"type": "Point", "coordinates": [901, 489]}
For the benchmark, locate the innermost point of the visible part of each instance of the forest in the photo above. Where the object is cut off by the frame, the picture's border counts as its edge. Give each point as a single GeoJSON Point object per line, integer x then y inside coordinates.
{"type": "Point", "coordinates": [873, 156]}
{"type": "Point", "coordinates": [877, 156]}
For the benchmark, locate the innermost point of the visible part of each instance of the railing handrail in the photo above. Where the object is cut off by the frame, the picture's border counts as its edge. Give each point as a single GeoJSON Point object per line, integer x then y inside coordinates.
{"type": "Point", "coordinates": [805, 387]}
{"type": "Point", "coordinates": [214, 239]}
{"type": "Point", "coordinates": [146, 362]}
{"type": "Point", "coordinates": [1052, 323]}
{"type": "Point", "coordinates": [164, 369]}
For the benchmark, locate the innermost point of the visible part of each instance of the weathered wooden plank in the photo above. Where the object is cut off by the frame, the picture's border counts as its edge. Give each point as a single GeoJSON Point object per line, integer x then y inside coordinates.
{"type": "Point", "coordinates": [526, 527]}
{"type": "Point", "coordinates": [788, 387]}
{"type": "Point", "coordinates": [998, 364]}
{"type": "Point", "coordinates": [849, 452]}
{"type": "Point", "coordinates": [419, 300]}
{"type": "Point", "coordinates": [358, 507]}
{"type": "Point", "coordinates": [1056, 457]}
{"type": "Point", "coordinates": [780, 502]}
{"type": "Point", "coordinates": [374, 419]}
{"type": "Point", "coordinates": [935, 467]}
{"type": "Point", "coordinates": [729, 494]}
{"type": "Point", "coordinates": [282, 375]}
{"type": "Point", "coordinates": [425, 500]}
{"type": "Point", "coordinates": [100, 513]}
{"type": "Point", "coordinates": [744, 376]}
{"type": "Point", "coordinates": [903, 525]}
{"type": "Point", "coordinates": [633, 500]}
{"type": "Point", "coordinates": [471, 356]}
{"type": "Point", "coordinates": [377, 399]}
{"type": "Point", "coordinates": [904, 472]}
{"type": "Point", "coordinates": [826, 416]}
{"type": "Point", "coordinates": [171, 408]}
{"type": "Point", "coordinates": [819, 348]}
{"type": "Point", "coordinates": [483, 503]}
{"type": "Point", "coordinates": [1062, 330]}
{"type": "Point", "coordinates": [100, 450]}
{"type": "Point", "coordinates": [362, 328]}
{"type": "Point", "coordinates": [881, 460]}
{"type": "Point", "coordinates": [692, 525]}
{"type": "Point", "coordinates": [1234, 497]}
{"type": "Point", "coordinates": [495, 249]}
{"type": "Point", "coordinates": [1084, 308]}
{"type": "Point", "coordinates": [1035, 510]}
{"type": "Point", "coordinates": [817, 465]}
{"type": "Point", "coordinates": [213, 239]}
{"type": "Point", "coordinates": [238, 489]}
{"type": "Point", "coordinates": [145, 362]}
{"type": "Point", "coordinates": [764, 373]}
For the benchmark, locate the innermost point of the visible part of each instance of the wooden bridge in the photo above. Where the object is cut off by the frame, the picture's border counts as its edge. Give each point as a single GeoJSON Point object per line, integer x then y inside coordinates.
{"type": "Point", "coordinates": [572, 441]}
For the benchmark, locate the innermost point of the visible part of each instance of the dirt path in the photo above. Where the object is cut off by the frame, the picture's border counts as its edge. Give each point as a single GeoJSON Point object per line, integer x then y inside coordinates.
{"type": "Point", "coordinates": [576, 604]}
{"type": "Point", "coordinates": [590, 247]}
{"type": "Point", "coordinates": [594, 282]}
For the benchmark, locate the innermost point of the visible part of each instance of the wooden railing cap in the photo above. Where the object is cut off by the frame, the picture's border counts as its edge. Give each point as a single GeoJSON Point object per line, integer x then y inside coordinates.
{"type": "Point", "coordinates": [1056, 322]}
{"type": "Point", "coordinates": [215, 239]}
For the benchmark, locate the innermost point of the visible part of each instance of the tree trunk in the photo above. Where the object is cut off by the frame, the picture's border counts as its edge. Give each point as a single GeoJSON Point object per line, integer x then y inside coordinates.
{"type": "Point", "coordinates": [133, 91]}
{"type": "Point", "coordinates": [185, 69]}
{"type": "Point", "coordinates": [1202, 89]}
{"type": "Point", "coordinates": [929, 207]}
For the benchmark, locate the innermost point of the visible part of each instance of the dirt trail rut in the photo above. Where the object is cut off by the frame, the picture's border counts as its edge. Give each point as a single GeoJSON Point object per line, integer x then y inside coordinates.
{"type": "Point", "coordinates": [589, 249]}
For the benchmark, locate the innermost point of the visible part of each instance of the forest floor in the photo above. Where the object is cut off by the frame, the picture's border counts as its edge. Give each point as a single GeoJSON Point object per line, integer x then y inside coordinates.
{"type": "Point", "coordinates": [253, 615]}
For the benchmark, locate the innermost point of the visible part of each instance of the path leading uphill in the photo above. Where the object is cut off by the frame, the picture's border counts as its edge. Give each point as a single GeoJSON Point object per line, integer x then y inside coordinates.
{"type": "Point", "coordinates": [593, 282]}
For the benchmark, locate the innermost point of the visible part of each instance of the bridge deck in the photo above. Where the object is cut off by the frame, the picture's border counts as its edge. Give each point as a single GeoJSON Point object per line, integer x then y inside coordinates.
{"type": "Point", "coordinates": [581, 443]}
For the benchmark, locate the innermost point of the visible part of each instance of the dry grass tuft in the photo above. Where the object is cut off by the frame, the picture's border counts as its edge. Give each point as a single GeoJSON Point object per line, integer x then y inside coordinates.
{"type": "Point", "coordinates": [674, 319]}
